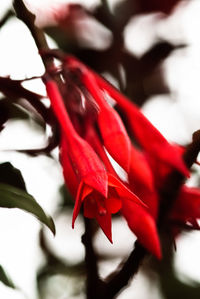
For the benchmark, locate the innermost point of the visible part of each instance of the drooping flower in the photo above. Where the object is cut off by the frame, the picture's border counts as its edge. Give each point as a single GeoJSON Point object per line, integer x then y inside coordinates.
{"type": "Point", "coordinates": [94, 183]}
{"type": "Point", "coordinates": [119, 199]}
{"type": "Point", "coordinates": [113, 132]}
{"type": "Point", "coordinates": [101, 207]}
{"type": "Point", "coordinates": [86, 163]}
{"type": "Point", "coordinates": [101, 193]}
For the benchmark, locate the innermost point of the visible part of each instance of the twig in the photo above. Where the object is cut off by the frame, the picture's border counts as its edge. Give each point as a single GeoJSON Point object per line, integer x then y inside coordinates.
{"type": "Point", "coordinates": [120, 278]}
{"type": "Point", "coordinates": [95, 285]}
{"type": "Point", "coordinates": [29, 19]}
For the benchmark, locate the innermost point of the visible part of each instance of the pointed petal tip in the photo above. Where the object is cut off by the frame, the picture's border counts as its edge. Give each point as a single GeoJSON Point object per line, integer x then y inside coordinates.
{"type": "Point", "coordinates": [153, 247]}
{"type": "Point", "coordinates": [109, 236]}
{"type": "Point", "coordinates": [73, 222]}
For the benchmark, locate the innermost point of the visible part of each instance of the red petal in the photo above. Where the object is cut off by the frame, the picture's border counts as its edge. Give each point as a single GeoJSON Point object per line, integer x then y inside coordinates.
{"type": "Point", "coordinates": [90, 208]}
{"type": "Point", "coordinates": [113, 204]}
{"type": "Point", "coordinates": [115, 137]}
{"type": "Point", "coordinates": [105, 224]}
{"type": "Point", "coordinates": [88, 165]}
{"type": "Point", "coordinates": [122, 190]}
{"type": "Point", "coordinates": [85, 161]}
{"type": "Point", "coordinates": [112, 129]}
{"type": "Point", "coordinates": [70, 177]}
{"type": "Point", "coordinates": [78, 202]}
{"type": "Point", "coordinates": [142, 225]}
{"type": "Point", "coordinates": [94, 141]}
{"type": "Point", "coordinates": [59, 109]}
{"type": "Point", "coordinates": [140, 174]}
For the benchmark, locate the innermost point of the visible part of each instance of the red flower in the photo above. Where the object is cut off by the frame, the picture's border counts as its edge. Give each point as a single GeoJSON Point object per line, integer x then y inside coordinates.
{"type": "Point", "coordinates": [119, 198]}
{"type": "Point", "coordinates": [113, 132]}
{"type": "Point", "coordinates": [112, 129]}
{"type": "Point", "coordinates": [95, 204]}
{"type": "Point", "coordinates": [86, 163]}
{"type": "Point", "coordinates": [101, 208]}
{"type": "Point", "coordinates": [146, 134]}
{"type": "Point", "coordinates": [90, 175]}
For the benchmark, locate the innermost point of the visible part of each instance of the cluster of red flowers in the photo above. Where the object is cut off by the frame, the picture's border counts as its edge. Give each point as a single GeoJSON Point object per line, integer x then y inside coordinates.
{"type": "Point", "coordinates": [91, 128]}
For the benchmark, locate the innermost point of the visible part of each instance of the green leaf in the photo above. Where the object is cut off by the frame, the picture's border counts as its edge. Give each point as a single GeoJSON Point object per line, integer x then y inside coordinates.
{"type": "Point", "coordinates": [12, 197]}
{"type": "Point", "coordinates": [6, 279]}
{"type": "Point", "coordinates": [11, 176]}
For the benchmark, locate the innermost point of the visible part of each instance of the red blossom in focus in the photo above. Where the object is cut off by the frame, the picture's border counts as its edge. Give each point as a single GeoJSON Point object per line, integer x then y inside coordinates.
{"type": "Point", "coordinates": [89, 132]}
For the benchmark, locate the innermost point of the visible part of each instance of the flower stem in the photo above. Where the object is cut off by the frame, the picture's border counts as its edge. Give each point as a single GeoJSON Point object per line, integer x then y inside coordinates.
{"type": "Point", "coordinates": [29, 19]}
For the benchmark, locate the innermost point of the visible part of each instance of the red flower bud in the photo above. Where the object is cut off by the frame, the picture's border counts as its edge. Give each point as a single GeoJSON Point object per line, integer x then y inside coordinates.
{"type": "Point", "coordinates": [113, 132]}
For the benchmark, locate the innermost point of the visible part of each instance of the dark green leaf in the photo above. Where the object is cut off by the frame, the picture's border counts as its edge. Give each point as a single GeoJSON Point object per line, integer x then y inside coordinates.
{"type": "Point", "coordinates": [11, 176]}
{"type": "Point", "coordinates": [6, 279]}
{"type": "Point", "coordinates": [11, 197]}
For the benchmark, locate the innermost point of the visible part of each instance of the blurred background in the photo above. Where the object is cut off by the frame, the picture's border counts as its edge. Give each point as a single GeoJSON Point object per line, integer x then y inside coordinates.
{"type": "Point", "coordinates": [151, 51]}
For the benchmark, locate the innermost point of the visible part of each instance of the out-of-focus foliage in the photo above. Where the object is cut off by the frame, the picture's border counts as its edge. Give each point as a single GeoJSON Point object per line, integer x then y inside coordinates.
{"type": "Point", "coordinates": [13, 194]}
{"type": "Point", "coordinates": [4, 278]}
{"type": "Point", "coordinates": [138, 77]}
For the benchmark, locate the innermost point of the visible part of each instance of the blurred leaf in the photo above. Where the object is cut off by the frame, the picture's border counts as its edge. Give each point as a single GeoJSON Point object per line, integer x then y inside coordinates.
{"type": "Point", "coordinates": [66, 198]}
{"type": "Point", "coordinates": [13, 90]}
{"type": "Point", "coordinates": [164, 6]}
{"type": "Point", "coordinates": [12, 110]}
{"type": "Point", "coordinates": [144, 75]}
{"type": "Point", "coordinates": [170, 285]}
{"type": "Point", "coordinates": [11, 197]}
{"type": "Point", "coordinates": [11, 176]}
{"type": "Point", "coordinates": [6, 17]}
{"type": "Point", "coordinates": [126, 9]}
{"type": "Point", "coordinates": [55, 265]}
{"type": "Point", "coordinates": [6, 279]}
